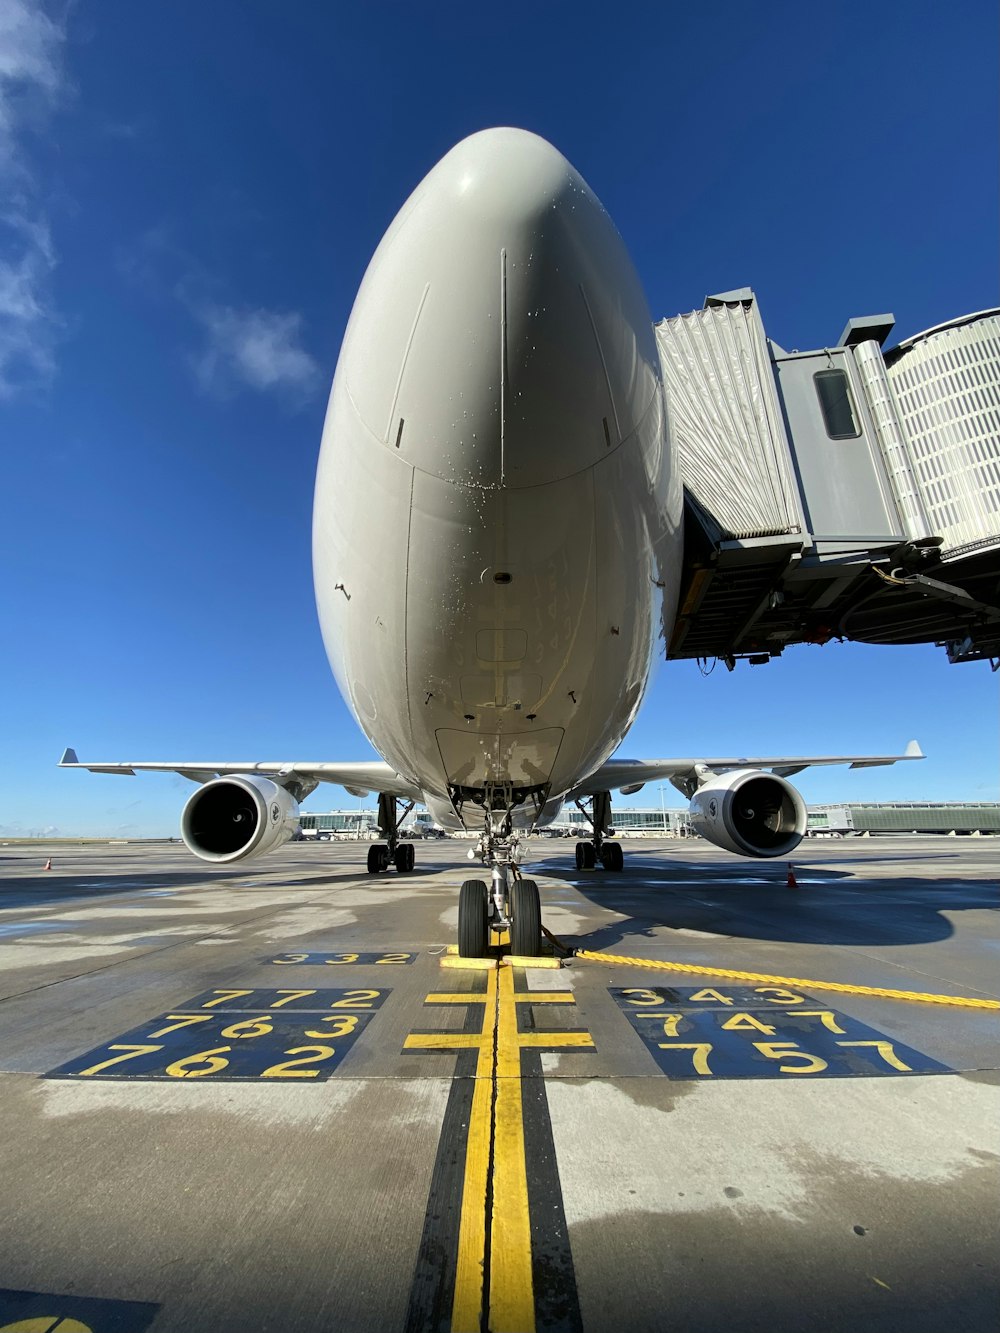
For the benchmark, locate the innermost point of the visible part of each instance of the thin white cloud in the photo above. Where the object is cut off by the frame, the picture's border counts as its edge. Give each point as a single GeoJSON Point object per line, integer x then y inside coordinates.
{"type": "Point", "coordinates": [30, 81]}
{"type": "Point", "coordinates": [256, 349]}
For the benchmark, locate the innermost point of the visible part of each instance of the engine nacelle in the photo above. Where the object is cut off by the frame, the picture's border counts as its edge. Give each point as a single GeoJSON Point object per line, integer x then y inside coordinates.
{"type": "Point", "coordinates": [234, 818]}
{"type": "Point", "coordinates": [750, 813]}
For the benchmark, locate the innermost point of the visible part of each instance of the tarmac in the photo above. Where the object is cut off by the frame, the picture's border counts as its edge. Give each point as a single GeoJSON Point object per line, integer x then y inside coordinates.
{"type": "Point", "coordinates": [252, 1098]}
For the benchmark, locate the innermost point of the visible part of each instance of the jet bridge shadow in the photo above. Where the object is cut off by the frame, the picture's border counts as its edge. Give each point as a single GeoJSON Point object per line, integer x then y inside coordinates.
{"type": "Point", "coordinates": [827, 907]}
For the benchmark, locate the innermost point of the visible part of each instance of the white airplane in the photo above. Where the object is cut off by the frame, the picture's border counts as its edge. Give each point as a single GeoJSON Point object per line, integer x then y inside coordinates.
{"type": "Point", "coordinates": [497, 545]}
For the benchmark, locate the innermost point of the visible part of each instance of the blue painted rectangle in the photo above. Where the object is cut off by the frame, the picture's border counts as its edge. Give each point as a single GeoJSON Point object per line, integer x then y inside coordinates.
{"type": "Point", "coordinates": [286, 1036]}
{"type": "Point", "coordinates": [298, 999]}
{"type": "Point", "coordinates": [27, 1311]}
{"type": "Point", "coordinates": [348, 959]}
{"type": "Point", "coordinates": [738, 1032]}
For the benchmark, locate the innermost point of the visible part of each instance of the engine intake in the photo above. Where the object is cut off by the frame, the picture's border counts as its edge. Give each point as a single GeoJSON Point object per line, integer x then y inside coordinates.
{"type": "Point", "coordinates": [750, 813]}
{"type": "Point", "coordinates": [235, 818]}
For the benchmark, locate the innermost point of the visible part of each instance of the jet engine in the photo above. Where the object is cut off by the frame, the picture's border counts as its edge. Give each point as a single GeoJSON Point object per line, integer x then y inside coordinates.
{"type": "Point", "coordinates": [234, 818]}
{"type": "Point", "coordinates": [750, 813]}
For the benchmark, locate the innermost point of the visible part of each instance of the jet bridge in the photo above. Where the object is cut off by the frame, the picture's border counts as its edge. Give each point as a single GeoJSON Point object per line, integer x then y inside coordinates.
{"type": "Point", "coordinates": [844, 493]}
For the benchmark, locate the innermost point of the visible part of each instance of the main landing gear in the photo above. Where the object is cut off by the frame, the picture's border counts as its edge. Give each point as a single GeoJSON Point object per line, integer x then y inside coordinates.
{"type": "Point", "coordinates": [609, 854]}
{"type": "Point", "coordinates": [401, 854]}
{"type": "Point", "coordinates": [507, 902]}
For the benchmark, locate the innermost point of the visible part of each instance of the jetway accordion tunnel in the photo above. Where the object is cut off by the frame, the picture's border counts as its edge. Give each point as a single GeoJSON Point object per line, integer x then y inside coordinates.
{"type": "Point", "coordinates": [846, 492]}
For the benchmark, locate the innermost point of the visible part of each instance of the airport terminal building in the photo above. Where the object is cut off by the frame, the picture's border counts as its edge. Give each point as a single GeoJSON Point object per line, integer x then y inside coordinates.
{"type": "Point", "coordinates": [960, 817]}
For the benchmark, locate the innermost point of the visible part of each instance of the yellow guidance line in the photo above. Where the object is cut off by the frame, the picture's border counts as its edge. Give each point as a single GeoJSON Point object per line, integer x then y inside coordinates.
{"type": "Point", "coordinates": [879, 992]}
{"type": "Point", "coordinates": [512, 1296]}
{"type": "Point", "coordinates": [467, 1304]}
{"type": "Point", "coordinates": [495, 1165]}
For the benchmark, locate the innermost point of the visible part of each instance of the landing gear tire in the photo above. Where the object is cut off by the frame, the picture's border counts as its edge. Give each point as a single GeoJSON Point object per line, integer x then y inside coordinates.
{"type": "Point", "coordinates": [405, 857]}
{"type": "Point", "coordinates": [586, 857]}
{"type": "Point", "coordinates": [525, 919]}
{"type": "Point", "coordinates": [612, 857]}
{"type": "Point", "coordinates": [378, 858]}
{"type": "Point", "coordinates": [473, 919]}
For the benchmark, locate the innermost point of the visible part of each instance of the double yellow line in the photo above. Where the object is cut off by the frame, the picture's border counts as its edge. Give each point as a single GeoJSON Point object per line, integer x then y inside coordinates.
{"type": "Point", "coordinates": [494, 1233]}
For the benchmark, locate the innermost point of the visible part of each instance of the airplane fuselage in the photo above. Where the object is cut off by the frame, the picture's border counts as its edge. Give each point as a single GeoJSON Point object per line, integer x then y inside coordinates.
{"type": "Point", "coordinates": [497, 521]}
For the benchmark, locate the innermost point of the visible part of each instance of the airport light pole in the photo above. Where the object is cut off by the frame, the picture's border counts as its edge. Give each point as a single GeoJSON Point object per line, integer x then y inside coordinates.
{"type": "Point", "coordinates": [663, 813]}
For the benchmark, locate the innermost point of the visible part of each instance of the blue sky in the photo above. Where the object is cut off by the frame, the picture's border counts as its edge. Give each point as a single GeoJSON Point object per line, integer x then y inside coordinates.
{"type": "Point", "coordinates": [191, 195]}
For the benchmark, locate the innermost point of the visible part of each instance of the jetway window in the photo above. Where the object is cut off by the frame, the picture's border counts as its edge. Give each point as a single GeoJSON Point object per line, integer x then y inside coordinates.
{"type": "Point", "coordinates": [835, 402]}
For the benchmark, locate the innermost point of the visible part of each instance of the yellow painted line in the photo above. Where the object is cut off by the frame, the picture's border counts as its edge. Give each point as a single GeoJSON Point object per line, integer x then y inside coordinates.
{"type": "Point", "coordinates": [879, 992]}
{"type": "Point", "coordinates": [521, 997]}
{"type": "Point", "coordinates": [445, 1041]}
{"type": "Point", "coordinates": [552, 1039]}
{"type": "Point", "coordinates": [512, 1296]}
{"type": "Point", "coordinates": [495, 1145]}
{"type": "Point", "coordinates": [467, 1303]}
{"type": "Point", "coordinates": [471, 964]}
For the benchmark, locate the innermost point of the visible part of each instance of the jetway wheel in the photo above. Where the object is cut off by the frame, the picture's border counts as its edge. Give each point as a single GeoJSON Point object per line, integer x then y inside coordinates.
{"type": "Point", "coordinates": [586, 857]}
{"type": "Point", "coordinates": [473, 919]}
{"type": "Point", "coordinates": [612, 856]}
{"type": "Point", "coordinates": [378, 858]}
{"type": "Point", "coordinates": [525, 919]}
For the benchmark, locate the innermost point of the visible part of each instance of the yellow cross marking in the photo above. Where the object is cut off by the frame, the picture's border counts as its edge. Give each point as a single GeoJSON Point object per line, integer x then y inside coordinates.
{"type": "Point", "coordinates": [497, 1115]}
{"type": "Point", "coordinates": [520, 997]}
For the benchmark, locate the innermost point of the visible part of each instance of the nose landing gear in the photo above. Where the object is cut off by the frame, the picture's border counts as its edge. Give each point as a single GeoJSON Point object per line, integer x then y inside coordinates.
{"type": "Point", "coordinates": [509, 902]}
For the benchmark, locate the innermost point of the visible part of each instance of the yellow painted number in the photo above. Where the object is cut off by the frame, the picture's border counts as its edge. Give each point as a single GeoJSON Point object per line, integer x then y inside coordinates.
{"type": "Point", "coordinates": [292, 958]}
{"type": "Point", "coordinates": [639, 995]}
{"type": "Point", "coordinates": [701, 1049]}
{"type": "Point", "coordinates": [223, 996]}
{"type": "Point", "coordinates": [394, 958]}
{"type": "Point", "coordinates": [342, 1025]}
{"type": "Point", "coordinates": [290, 995]}
{"type": "Point", "coordinates": [292, 1068]}
{"type": "Point", "coordinates": [787, 1050]}
{"type": "Point", "coordinates": [885, 1050]}
{"type": "Point", "coordinates": [774, 995]}
{"type": "Point", "coordinates": [825, 1016]}
{"type": "Point", "coordinates": [130, 1053]}
{"type": "Point", "coordinates": [713, 995]}
{"type": "Point", "coordinates": [182, 1021]}
{"type": "Point", "coordinates": [748, 1021]}
{"type": "Point", "coordinates": [361, 999]}
{"type": "Point", "coordinates": [249, 1027]}
{"type": "Point", "coordinates": [335, 959]}
{"type": "Point", "coordinates": [211, 1062]}
{"type": "Point", "coordinates": [670, 1024]}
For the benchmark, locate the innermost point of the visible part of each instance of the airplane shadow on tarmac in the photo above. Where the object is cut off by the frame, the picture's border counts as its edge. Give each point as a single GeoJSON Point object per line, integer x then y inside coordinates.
{"type": "Point", "coordinates": [827, 907]}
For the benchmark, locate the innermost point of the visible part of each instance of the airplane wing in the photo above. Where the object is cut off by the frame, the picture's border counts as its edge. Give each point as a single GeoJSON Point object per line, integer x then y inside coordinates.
{"type": "Point", "coordinates": [629, 775]}
{"type": "Point", "coordinates": [360, 779]}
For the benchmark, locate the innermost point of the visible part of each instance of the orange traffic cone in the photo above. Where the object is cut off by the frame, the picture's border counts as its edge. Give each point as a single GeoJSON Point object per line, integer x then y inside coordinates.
{"type": "Point", "coordinates": [48, 864]}
{"type": "Point", "coordinates": [791, 881]}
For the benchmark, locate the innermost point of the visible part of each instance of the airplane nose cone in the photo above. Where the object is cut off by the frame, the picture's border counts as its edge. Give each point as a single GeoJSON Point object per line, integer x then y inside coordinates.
{"type": "Point", "coordinates": [504, 177]}
{"type": "Point", "coordinates": [501, 336]}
